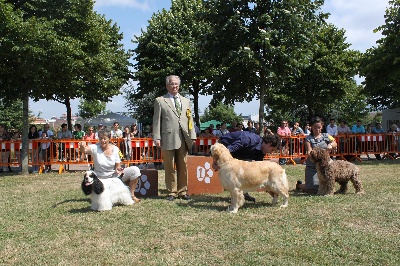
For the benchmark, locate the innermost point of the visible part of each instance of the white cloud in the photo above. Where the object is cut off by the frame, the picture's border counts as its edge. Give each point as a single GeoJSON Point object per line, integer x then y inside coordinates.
{"type": "Point", "coordinates": [142, 5]}
{"type": "Point", "coordinates": [359, 18]}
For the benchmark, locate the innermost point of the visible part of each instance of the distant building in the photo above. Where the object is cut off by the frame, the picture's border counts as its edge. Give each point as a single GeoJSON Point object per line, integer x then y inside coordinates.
{"type": "Point", "coordinates": [390, 117]}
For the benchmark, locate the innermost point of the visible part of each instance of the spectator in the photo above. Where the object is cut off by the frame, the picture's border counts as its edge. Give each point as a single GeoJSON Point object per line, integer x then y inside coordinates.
{"type": "Point", "coordinates": [99, 127]}
{"type": "Point", "coordinates": [5, 153]}
{"type": "Point", "coordinates": [45, 152]}
{"type": "Point", "coordinates": [233, 127]}
{"type": "Point", "coordinates": [250, 127]}
{"type": "Point", "coordinates": [378, 139]}
{"type": "Point", "coordinates": [78, 133]}
{"type": "Point", "coordinates": [307, 129]}
{"type": "Point", "coordinates": [127, 144]}
{"type": "Point", "coordinates": [134, 131]}
{"type": "Point", "coordinates": [172, 114]}
{"type": "Point", "coordinates": [136, 152]}
{"type": "Point", "coordinates": [34, 134]}
{"type": "Point", "coordinates": [358, 129]}
{"type": "Point", "coordinates": [224, 130]}
{"type": "Point", "coordinates": [197, 130]}
{"type": "Point", "coordinates": [343, 129]}
{"type": "Point", "coordinates": [284, 132]}
{"type": "Point", "coordinates": [239, 127]}
{"type": "Point", "coordinates": [266, 130]}
{"type": "Point", "coordinates": [297, 131]}
{"type": "Point", "coordinates": [49, 135]}
{"type": "Point", "coordinates": [211, 127]}
{"type": "Point", "coordinates": [257, 128]}
{"type": "Point", "coordinates": [332, 129]}
{"type": "Point", "coordinates": [108, 163]}
{"type": "Point", "coordinates": [63, 134]}
{"type": "Point", "coordinates": [207, 133]}
{"type": "Point", "coordinates": [91, 135]}
{"type": "Point", "coordinates": [315, 139]}
{"type": "Point", "coordinates": [323, 130]}
{"type": "Point", "coordinates": [393, 140]}
{"type": "Point", "coordinates": [116, 132]}
{"type": "Point", "coordinates": [217, 132]}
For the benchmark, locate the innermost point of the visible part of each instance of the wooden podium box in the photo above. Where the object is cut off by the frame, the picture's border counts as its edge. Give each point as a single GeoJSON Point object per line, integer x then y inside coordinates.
{"type": "Point", "coordinates": [148, 183]}
{"type": "Point", "coordinates": [202, 178]}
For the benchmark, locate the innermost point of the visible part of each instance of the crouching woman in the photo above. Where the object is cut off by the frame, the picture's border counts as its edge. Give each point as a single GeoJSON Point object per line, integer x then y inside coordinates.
{"type": "Point", "coordinates": [315, 139]}
{"type": "Point", "coordinates": [107, 162]}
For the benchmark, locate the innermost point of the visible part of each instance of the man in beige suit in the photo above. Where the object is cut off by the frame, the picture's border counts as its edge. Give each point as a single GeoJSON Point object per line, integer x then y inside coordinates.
{"type": "Point", "coordinates": [173, 130]}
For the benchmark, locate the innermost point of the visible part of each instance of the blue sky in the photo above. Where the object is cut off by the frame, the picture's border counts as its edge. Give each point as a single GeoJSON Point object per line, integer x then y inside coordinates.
{"type": "Point", "coordinates": [358, 17]}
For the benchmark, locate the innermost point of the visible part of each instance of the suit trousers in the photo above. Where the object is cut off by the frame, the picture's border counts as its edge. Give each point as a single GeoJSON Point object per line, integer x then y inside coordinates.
{"type": "Point", "coordinates": [176, 181]}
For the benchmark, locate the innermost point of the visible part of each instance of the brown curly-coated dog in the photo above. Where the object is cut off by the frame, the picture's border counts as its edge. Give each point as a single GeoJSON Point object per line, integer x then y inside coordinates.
{"type": "Point", "coordinates": [330, 171]}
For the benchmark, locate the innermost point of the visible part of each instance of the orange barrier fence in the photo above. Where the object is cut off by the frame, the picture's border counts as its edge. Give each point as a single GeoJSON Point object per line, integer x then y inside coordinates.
{"type": "Point", "coordinates": [43, 154]}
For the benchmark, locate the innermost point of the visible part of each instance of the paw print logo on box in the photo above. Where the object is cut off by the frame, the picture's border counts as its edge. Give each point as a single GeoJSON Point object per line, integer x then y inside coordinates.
{"type": "Point", "coordinates": [143, 185]}
{"type": "Point", "coordinates": [205, 173]}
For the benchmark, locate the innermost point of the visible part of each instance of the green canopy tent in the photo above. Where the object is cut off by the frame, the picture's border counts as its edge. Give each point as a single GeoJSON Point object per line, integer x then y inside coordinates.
{"type": "Point", "coordinates": [208, 123]}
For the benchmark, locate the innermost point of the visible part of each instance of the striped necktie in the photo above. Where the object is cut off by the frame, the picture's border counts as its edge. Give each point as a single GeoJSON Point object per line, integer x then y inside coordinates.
{"type": "Point", "coordinates": [177, 106]}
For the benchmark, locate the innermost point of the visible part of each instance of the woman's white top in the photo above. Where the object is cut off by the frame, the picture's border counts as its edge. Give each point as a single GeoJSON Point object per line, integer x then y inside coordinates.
{"type": "Point", "coordinates": [104, 166]}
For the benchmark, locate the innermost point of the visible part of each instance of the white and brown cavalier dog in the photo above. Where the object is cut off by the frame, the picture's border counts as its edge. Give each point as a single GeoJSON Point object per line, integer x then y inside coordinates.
{"type": "Point", "coordinates": [239, 176]}
{"type": "Point", "coordinates": [105, 193]}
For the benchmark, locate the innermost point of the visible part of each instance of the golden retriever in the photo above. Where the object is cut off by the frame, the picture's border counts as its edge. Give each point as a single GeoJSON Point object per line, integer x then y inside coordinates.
{"type": "Point", "coordinates": [238, 177]}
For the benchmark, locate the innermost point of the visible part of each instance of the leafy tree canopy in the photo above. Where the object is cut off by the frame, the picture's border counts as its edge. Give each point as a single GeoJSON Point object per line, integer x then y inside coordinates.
{"type": "Point", "coordinates": [221, 112]}
{"type": "Point", "coordinates": [171, 46]}
{"type": "Point", "coordinates": [91, 108]}
{"type": "Point", "coordinates": [381, 65]}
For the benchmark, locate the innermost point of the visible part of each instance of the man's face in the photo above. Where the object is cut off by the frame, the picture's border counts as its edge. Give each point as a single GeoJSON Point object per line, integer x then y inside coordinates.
{"type": "Point", "coordinates": [332, 122]}
{"type": "Point", "coordinates": [173, 86]}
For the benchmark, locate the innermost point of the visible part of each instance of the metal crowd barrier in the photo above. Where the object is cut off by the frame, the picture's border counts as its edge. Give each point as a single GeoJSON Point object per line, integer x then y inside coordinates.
{"type": "Point", "coordinates": [45, 153]}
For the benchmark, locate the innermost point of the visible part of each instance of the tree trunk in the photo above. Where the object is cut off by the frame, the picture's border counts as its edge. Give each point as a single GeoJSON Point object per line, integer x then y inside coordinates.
{"type": "Point", "coordinates": [196, 102]}
{"type": "Point", "coordinates": [25, 131]}
{"type": "Point", "coordinates": [69, 116]}
{"type": "Point", "coordinates": [262, 101]}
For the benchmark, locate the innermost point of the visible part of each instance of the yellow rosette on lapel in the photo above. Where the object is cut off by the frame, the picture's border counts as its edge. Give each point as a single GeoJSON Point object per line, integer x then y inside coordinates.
{"type": "Point", "coordinates": [189, 115]}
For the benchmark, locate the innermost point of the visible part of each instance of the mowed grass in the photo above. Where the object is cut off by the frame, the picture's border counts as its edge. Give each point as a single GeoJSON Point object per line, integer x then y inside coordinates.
{"type": "Point", "coordinates": [46, 220]}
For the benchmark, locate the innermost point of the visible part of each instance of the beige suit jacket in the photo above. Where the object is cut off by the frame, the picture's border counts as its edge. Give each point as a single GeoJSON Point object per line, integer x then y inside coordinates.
{"type": "Point", "coordinates": [167, 124]}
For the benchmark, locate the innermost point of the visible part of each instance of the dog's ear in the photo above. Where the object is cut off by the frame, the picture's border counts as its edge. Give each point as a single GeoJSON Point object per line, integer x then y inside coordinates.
{"type": "Point", "coordinates": [98, 186]}
{"type": "Point", "coordinates": [216, 151]}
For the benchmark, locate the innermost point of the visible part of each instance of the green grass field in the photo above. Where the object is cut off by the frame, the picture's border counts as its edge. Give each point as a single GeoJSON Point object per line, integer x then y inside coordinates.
{"type": "Point", "coordinates": [46, 220]}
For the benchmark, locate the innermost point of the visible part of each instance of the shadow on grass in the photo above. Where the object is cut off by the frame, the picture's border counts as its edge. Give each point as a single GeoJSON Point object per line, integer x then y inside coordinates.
{"type": "Point", "coordinates": [71, 200]}
{"type": "Point", "coordinates": [81, 210]}
{"type": "Point", "coordinates": [200, 202]}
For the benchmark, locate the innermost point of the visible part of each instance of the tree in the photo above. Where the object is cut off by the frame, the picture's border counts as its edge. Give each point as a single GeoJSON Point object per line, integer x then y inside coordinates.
{"type": "Point", "coordinates": [58, 50]}
{"type": "Point", "coordinates": [23, 61]}
{"type": "Point", "coordinates": [91, 108]}
{"type": "Point", "coordinates": [93, 64]}
{"type": "Point", "coordinates": [381, 65]}
{"type": "Point", "coordinates": [11, 114]}
{"type": "Point", "coordinates": [257, 45]}
{"type": "Point", "coordinates": [221, 112]}
{"type": "Point", "coordinates": [327, 82]}
{"type": "Point", "coordinates": [171, 45]}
